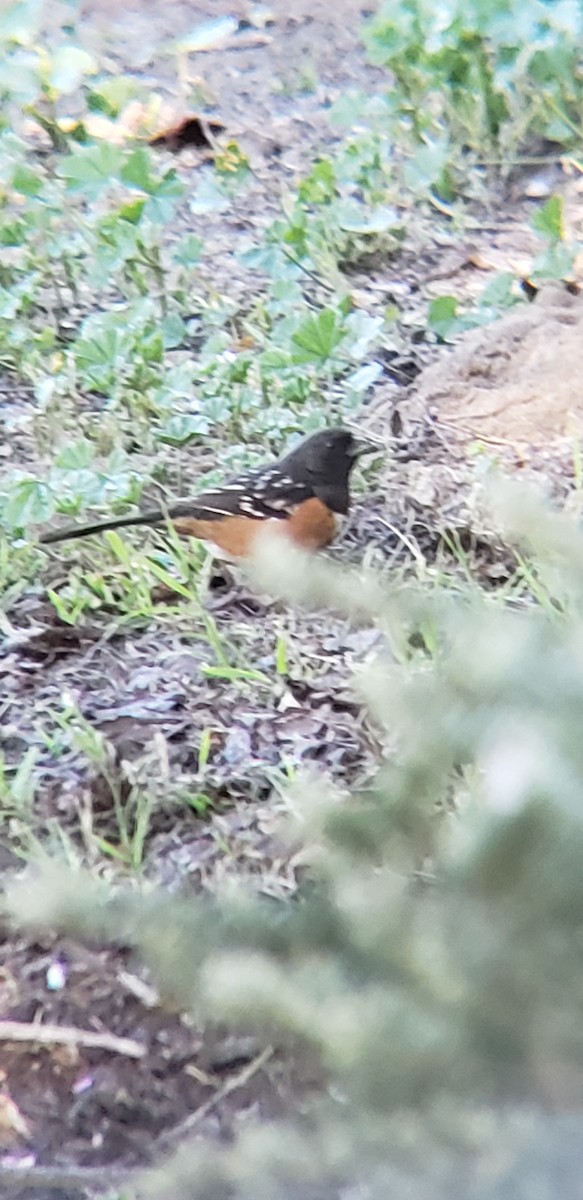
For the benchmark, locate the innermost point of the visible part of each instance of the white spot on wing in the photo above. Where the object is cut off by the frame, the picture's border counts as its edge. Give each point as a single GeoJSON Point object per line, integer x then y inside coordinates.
{"type": "Point", "coordinates": [213, 508]}
{"type": "Point", "coordinates": [248, 506]}
{"type": "Point", "coordinates": [285, 482]}
{"type": "Point", "coordinates": [280, 503]}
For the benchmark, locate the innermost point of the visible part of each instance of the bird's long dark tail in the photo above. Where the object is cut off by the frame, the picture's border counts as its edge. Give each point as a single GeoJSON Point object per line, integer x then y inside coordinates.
{"type": "Point", "coordinates": [78, 531]}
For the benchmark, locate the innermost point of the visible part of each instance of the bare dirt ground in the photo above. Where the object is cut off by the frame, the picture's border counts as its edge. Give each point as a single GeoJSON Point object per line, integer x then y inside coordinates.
{"type": "Point", "coordinates": [513, 387]}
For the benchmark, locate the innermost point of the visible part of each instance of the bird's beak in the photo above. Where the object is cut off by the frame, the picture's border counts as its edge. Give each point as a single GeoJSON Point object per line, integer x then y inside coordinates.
{"type": "Point", "coordinates": [362, 446]}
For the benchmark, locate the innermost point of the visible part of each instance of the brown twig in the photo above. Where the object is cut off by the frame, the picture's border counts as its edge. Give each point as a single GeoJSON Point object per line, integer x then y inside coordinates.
{"type": "Point", "coordinates": [69, 1035]}
{"type": "Point", "coordinates": [170, 1138]}
{"type": "Point", "coordinates": [467, 431]}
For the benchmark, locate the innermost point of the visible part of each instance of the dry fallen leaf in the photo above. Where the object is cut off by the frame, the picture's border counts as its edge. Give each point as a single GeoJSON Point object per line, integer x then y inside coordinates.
{"type": "Point", "coordinates": [193, 130]}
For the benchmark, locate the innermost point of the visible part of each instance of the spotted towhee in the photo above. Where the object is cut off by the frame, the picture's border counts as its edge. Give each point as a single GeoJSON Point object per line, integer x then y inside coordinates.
{"type": "Point", "coordinates": [298, 496]}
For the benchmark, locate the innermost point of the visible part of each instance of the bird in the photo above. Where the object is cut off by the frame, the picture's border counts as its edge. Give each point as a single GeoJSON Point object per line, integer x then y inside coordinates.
{"type": "Point", "coordinates": [300, 496]}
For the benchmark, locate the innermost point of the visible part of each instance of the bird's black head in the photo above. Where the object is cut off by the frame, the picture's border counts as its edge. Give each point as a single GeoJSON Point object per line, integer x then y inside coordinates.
{"type": "Point", "coordinates": [324, 462]}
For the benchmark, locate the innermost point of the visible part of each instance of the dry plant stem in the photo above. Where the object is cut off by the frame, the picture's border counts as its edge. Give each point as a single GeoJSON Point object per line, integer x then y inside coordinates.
{"type": "Point", "coordinates": [14, 1180]}
{"type": "Point", "coordinates": [68, 1035]}
{"type": "Point", "coordinates": [173, 1136]}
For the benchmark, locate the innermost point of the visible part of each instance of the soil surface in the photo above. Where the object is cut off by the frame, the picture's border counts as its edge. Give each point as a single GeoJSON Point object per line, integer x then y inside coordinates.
{"type": "Point", "coordinates": [514, 385]}
{"type": "Point", "coordinates": [511, 387]}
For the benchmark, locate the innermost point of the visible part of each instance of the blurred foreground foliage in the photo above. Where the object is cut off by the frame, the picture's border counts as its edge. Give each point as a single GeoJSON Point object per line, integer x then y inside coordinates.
{"type": "Point", "coordinates": [431, 962]}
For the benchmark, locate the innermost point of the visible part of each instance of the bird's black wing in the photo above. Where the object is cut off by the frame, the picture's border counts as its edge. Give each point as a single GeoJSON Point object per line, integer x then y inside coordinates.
{"type": "Point", "coordinates": [261, 493]}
